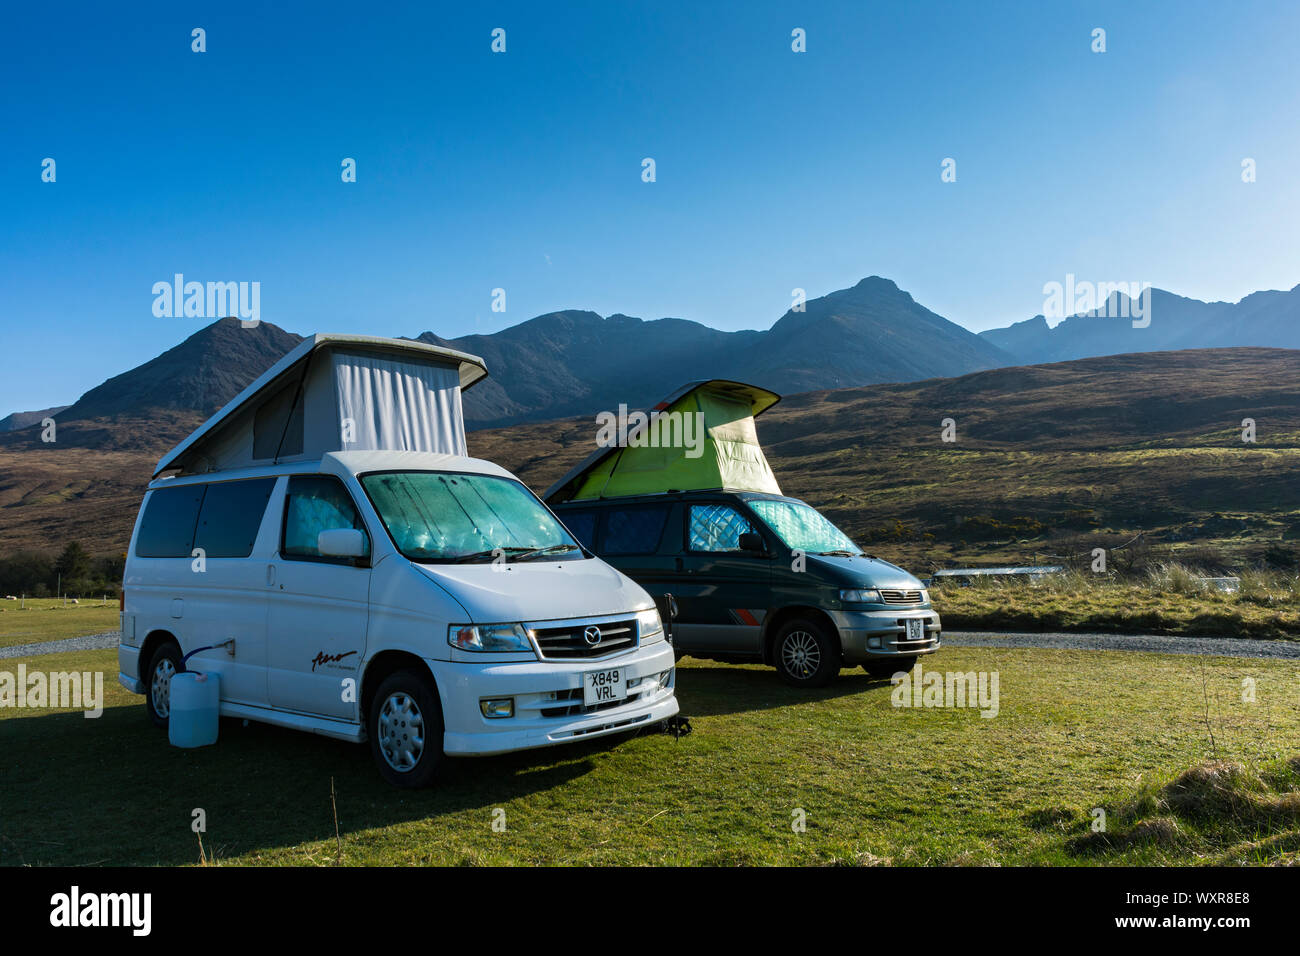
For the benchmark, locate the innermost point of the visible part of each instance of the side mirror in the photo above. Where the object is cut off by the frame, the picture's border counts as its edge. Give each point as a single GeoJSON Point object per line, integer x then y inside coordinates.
{"type": "Point", "coordinates": [341, 543]}
{"type": "Point", "coordinates": [750, 541]}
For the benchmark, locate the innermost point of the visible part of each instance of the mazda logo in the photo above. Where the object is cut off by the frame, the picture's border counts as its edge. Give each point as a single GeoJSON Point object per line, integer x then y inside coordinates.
{"type": "Point", "coordinates": [591, 635]}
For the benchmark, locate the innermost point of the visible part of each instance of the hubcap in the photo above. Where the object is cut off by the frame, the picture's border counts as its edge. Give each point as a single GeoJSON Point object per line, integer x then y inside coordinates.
{"type": "Point", "coordinates": [401, 732]}
{"type": "Point", "coordinates": [161, 687]}
{"type": "Point", "coordinates": [800, 654]}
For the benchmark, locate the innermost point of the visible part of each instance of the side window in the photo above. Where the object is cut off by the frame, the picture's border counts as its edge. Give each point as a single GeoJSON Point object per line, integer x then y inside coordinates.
{"type": "Point", "coordinates": [167, 530]}
{"type": "Point", "coordinates": [582, 525]}
{"type": "Point", "coordinates": [231, 516]}
{"type": "Point", "coordinates": [316, 503]}
{"type": "Point", "coordinates": [716, 527]}
{"type": "Point", "coordinates": [633, 530]}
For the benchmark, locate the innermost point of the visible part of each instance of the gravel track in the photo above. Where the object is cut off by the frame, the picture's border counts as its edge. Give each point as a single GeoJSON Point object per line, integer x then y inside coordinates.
{"type": "Point", "coordinates": [1159, 643]}
{"type": "Point", "coordinates": [90, 642]}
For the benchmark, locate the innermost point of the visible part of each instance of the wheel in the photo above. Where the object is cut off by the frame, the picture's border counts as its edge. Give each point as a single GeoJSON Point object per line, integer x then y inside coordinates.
{"type": "Point", "coordinates": [405, 728]}
{"type": "Point", "coordinates": [166, 661]}
{"type": "Point", "coordinates": [885, 669]}
{"type": "Point", "coordinates": [806, 656]}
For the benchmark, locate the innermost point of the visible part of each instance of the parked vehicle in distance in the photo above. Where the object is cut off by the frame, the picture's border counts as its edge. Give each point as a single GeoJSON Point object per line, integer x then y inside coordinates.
{"type": "Point", "coordinates": [756, 575]}
{"type": "Point", "coordinates": [398, 592]}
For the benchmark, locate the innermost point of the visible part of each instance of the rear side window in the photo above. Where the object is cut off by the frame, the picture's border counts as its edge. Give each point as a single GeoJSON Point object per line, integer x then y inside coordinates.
{"type": "Point", "coordinates": [633, 530]}
{"type": "Point", "coordinates": [231, 516]}
{"type": "Point", "coordinates": [582, 525]}
{"type": "Point", "coordinates": [317, 503]}
{"type": "Point", "coordinates": [167, 530]}
{"type": "Point", "coordinates": [717, 527]}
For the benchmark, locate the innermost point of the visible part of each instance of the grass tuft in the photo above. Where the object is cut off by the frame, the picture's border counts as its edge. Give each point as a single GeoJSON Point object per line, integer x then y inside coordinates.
{"type": "Point", "coordinates": [1228, 808]}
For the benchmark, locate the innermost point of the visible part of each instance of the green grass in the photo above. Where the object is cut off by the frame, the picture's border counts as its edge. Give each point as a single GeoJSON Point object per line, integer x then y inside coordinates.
{"type": "Point", "coordinates": [1076, 730]}
{"type": "Point", "coordinates": [49, 619]}
{"type": "Point", "coordinates": [1170, 600]}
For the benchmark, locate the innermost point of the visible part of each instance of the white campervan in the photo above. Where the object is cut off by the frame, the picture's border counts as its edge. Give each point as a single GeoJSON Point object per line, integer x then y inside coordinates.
{"type": "Point", "coordinates": [324, 546]}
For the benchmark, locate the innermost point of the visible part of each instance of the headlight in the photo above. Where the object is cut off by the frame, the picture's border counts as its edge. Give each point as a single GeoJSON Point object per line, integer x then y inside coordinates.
{"type": "Point", "coordinates": [861, 596]}
{"type": "Point", "coordinates": [649, 625]}
{"type": "Point", "coordinates": [498, 638]}
{"type": "Point", "coordinates": [925, 595]}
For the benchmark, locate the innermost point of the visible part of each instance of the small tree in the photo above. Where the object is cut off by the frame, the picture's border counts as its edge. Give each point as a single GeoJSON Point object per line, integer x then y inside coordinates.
{"type": "Point", "coordinates": [73, 563]}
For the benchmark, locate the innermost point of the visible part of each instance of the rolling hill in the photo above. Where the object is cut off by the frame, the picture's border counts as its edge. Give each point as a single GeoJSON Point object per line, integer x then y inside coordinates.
{"type": "Point", "coordinates": [1049, 460]}
{"type": "Point", "coordinates": [16, 420]}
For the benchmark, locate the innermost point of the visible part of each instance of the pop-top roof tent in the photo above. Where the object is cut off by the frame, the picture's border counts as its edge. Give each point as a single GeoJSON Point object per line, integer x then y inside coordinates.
{"type": "Point", "coordinates": [335, 393]}
{"type": "Point", "coordinates": [657, 454]}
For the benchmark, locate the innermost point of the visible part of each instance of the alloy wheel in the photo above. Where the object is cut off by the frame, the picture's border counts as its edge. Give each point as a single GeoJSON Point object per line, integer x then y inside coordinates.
{"type": "Point", "coordinates": [801, 654]}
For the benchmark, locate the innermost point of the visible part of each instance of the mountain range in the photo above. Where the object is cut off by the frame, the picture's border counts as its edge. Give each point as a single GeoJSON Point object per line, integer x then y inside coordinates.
{"type": "Point", "coordinates": [1047, 460]}
{"type": "Point", "coordinates": [1266, 319]}
{"type": "Point", "coordinates": [568, 363]}
{"type": "Point", "coordinates": [576, 362]}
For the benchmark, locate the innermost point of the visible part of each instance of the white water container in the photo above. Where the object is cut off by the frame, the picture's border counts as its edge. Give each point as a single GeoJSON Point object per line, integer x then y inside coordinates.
{"type": "Point", "coordinates": [195, 709]}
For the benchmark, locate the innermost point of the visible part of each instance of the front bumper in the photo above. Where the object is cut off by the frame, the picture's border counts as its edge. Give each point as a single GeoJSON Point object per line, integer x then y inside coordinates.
{"type": "Point", "coordinates": [880, 635]}
{"type": "Point", "coordinates": [548, 700]}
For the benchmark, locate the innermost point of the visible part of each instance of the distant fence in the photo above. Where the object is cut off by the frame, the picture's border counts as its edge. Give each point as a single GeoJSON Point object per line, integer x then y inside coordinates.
{"type": "Point", "coordinates": [967, 575]}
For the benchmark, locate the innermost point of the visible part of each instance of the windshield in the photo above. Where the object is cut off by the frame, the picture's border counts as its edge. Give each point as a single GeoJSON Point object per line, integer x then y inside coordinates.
{"type": "Point", "coordinates": [443, 516]}
{"type": "Point", "coordinates": [802, 527]}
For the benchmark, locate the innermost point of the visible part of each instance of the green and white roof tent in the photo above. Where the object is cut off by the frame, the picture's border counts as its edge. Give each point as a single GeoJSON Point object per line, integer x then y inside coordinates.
{"type": "Point", "coordinates": [337, 393]}
{"type": "Point", "coordinates": [731, 457]}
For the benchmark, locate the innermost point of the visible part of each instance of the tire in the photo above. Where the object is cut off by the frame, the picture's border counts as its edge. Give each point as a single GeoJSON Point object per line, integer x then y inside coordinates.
{"type": "Point", "coordinates": [805, 655]}
{"type": "Point", "coordinates": [883, 670]}
{"type": "Point", "coordinates": [165, 662]}
{"type": "Point", "coordinates": [405, 728]}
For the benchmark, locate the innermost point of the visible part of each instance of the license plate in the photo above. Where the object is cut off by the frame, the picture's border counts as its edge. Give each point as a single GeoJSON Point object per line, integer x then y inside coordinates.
{"type": "Point", "coordinates": [916, 629]}
{"type": "Point", "coordinates": [602, 687]}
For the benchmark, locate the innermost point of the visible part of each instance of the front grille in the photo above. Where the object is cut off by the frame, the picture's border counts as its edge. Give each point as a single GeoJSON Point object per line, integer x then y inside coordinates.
{"type": "Point", "coordinates": [569, 704]}
{"type": "Point", "coordinates": [900, 597]}
{"type": "Point", "coordinates": [567, 642]}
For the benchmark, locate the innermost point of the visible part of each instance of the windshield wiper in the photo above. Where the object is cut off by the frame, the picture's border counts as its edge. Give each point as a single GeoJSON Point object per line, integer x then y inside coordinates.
{"type": "Point", "coordinates": [530, 553]}
{"type": "Point", "coordinates": [490, 553]}
{"type": "Point", "coordinates": [843, 554]}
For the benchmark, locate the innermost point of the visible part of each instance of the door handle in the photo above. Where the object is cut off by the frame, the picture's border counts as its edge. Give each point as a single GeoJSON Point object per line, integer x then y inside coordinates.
{"type": "Point", "coordinates": [677, 563]}
{"type": "Point", "coordinates": [270, 575]}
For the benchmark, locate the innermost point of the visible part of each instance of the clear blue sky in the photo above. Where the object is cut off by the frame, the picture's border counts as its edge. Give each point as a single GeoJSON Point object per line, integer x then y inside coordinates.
{"type": "Point", "coordinates": [523, 171]}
